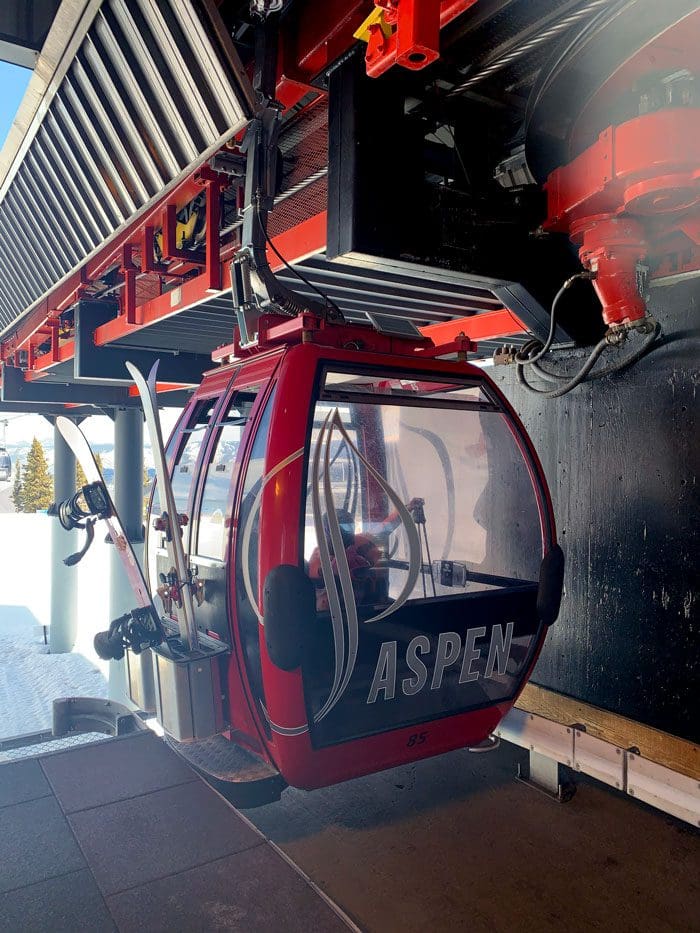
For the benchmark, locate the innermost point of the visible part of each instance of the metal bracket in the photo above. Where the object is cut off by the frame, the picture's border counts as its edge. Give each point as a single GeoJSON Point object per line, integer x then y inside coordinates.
{"type": "Point", "coordinates": [547, 776]}
{"type": "Point", "coordinates": [91, 714]}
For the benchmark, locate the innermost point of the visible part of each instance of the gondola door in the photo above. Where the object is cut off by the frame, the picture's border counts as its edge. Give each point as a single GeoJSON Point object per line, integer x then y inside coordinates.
{"type": "Point", "coordinates": [233, 436]}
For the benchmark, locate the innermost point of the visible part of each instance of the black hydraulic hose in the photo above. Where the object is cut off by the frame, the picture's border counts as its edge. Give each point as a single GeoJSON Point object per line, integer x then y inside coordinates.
{"type": "Point", "coordinates": [291, 303]}
{"type": "Point", "coordinates": [616, 367]}
{"type": "Point", "coordinates": [523, 355]}
{"type": "Point", "coordinates": [575, 381]}
{"type": "Point", "coordinates": [584, 374]}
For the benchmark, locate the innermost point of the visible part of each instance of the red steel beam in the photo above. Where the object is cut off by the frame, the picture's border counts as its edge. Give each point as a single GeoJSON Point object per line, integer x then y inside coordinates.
{"type": "Point", "coordinates": [68, 291]}
{"type": "Point", "coordinates": [487, 326]}
{"type": "Point", "coordinates": [414, 42]}
{"type": "Point", "coordinates": [162, 387]}
{"type": "Point", "coordinates": [42, 364]}
{"type": "Point", "coordinates": [303, 240]}
{"type": "Point", "coordinates": [321, 34]}
{"type": "Point", "coordinates": [298, 242]}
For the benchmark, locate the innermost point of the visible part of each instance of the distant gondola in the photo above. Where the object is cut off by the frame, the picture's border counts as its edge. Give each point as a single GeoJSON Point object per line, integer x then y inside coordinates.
{"type": "Point", "coordinates": [5, 464]}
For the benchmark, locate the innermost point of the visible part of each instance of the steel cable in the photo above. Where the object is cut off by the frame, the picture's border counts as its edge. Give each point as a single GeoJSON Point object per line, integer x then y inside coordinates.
{"type": "Point", "coordinates": [556, 29]}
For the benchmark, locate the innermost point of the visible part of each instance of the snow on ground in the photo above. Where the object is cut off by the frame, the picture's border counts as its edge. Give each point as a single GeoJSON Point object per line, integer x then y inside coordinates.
{"type": "Point", "coordinates": [30, 677]}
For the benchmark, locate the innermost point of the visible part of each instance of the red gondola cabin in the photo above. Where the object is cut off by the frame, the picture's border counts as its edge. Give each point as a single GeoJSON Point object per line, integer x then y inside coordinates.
{"type": "Point", "coordinates": [369, 524]}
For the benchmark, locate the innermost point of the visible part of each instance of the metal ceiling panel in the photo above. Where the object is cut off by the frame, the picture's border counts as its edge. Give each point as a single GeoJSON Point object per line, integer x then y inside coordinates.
{"type": "Point", "coordinates": [361, 286]}
{"type": "Point", "coordinates": [152, 91]}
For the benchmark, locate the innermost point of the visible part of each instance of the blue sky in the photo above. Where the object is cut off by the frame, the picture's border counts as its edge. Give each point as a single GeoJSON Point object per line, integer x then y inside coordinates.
{"type": "Point", "coordinates": [13, 83]}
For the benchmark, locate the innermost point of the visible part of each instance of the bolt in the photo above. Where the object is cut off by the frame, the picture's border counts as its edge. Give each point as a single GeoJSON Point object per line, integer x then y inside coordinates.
{"type": "Point", "coordinates": [618, 751]}
{"type": "Point", "coordinates": [617, 783]}
{"type": "Point", "coordinates": [568, 731]}
{"type": "Point", "coordinates": [631, 793]}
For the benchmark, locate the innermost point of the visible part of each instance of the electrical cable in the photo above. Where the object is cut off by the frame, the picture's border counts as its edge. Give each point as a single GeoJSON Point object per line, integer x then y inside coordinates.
{"type": "Point", "coordinates": [522, 356]}
{"type": "Point", "coordinates": [584, 374]}
{"type": "Point", "coordinates": [329, 302]}
{"type": "Point", "coordinates": [613, 367]}
{"type": "Point", "coordinates": [458, 154]}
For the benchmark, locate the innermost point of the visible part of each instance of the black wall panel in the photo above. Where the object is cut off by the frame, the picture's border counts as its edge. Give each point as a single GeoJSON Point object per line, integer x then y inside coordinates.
{"type": "Point", "coordinates": [622, 455]}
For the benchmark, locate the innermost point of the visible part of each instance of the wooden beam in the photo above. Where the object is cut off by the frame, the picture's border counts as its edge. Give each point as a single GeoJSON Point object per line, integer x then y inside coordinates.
{"type": "Point", "coordinates": [660, 747]}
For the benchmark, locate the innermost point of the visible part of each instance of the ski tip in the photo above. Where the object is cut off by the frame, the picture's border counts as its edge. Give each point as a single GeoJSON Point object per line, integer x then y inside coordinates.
{"type": "Point", "coordinates": [140, 379]}
{"type": "Point", "coordinates": [66, 428]}
{"type": "Point", "coordinates": [152, 375]}
{"type": "Point", "coordinates": [134, 371]}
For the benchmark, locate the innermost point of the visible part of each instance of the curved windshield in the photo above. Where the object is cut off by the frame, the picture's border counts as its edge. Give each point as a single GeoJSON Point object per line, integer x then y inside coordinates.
{"type": "Point", "coordinates": [391, 454]}
{"type": "Point", "coordinates": [423, 537]}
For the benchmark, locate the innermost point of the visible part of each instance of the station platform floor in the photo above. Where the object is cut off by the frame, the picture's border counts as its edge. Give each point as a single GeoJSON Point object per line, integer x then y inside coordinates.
{"type": "Point", "coordinates": [456, 843]}
{"type": "Point", "coordinates": [123, 835]}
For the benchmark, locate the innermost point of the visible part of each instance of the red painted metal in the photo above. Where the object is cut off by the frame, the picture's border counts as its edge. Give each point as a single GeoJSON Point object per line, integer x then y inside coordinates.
{"type": "Point", "coordinates": [64, 352]}
{"type": "Point", "coordinates": [74, 285]}
{"type": "Point", "coordinates": [414, 41]}
{"type": "Point", "coordinates": [215, 184]}
{"type": "Point", "coordinates": [623, 196]}
{"type": "Point", "coordinates": [306, 239]}
{"type": "Point", "coordinates": [647, 166]}
{"type": "Point", "coordinates": [321, 33]}
{"type": "Point", "coordinates": [612, 247]}
{"type": "Point", "coordinates": [129, 271]}
{"type": "Point", "coordinates": [487, 326]}
{"type": "Point", "coordinates": [161, 387]}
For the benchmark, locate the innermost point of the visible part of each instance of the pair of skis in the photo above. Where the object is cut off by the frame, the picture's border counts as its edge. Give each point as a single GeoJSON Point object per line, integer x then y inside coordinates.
{"type": "Point", "coordinates": [142, 628]}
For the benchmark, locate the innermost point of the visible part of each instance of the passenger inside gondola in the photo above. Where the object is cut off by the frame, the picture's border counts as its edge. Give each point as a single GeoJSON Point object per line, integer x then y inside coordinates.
{"type": "Point", "coordinates": [363, 552]}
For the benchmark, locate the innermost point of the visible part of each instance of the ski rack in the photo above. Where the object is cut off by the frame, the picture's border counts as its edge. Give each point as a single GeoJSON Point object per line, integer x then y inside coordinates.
{"type": "Point", "coordinates": [188, 686]}
{"type": "Point", "coordinates": [186, 663]}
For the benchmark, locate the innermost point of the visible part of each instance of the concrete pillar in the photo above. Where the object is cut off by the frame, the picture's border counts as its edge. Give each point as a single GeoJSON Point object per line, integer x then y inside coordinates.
{"type": "Point", "coordinates": [128, 499]}
{"type": "Point", "coordinates": [64, 580]}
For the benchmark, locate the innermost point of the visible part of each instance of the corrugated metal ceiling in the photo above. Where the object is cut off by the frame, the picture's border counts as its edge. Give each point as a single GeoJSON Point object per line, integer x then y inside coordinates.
{"type": "Point", "coordinates": [150, 94]}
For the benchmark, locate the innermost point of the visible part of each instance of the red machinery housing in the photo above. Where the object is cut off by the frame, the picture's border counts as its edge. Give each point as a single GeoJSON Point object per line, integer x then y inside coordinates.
{"type": "Point", "coordinates": [630, 199]}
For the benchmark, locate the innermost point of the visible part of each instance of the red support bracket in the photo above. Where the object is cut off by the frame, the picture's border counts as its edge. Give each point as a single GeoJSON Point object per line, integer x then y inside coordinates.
{"type": "Point", "coordinates": [83, 283]}
{"type": "Point", "coordinates": [148, 263]}
{"type": "Point", "coordinates": [406, 32]}
{"type": "Point", "coordinates": [170, 247]}
{"type": "Point", "coordinates": [210, 257]}
{"type": "Point", "coordinates": [212, 249]}
{"type": "Point", "coordinates": [53, 324]}
{"type": "Point", "coordinates": [129, 270]}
